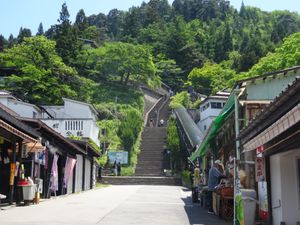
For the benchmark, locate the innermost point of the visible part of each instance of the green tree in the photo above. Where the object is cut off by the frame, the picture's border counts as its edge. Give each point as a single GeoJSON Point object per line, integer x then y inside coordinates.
{"type": "Point", "coordinates": [114, 23]}
{"type": "Point", "coordinates": [170, 73]}
{"type": "Point", "coordinates": [130, 128]}
{"type": "Point", "coordinates": [173, 143]}
{"type": "Point", "coordinates": [11, 41]}
{"type": "Point", "coordinates": [24, 32]}
{"type": "Point", "coordinates": [3, 43]}
{"type": "Point", "coordinates": [43, 77]}
{"type": "Point", "coordinates": [81, 22]}
{"type": "Point", "coordinates": [210, 78]}
{"type": "Point", "coordinates": [40, 30]}
{"type": "Point", "coordinates": [67, 44]}
{"type": "Point", "coordinates": [180, 99]}
{"type": "Point", "coordinates": [287, 55]}
{"type": "Point", "coordinates": [120, 61]}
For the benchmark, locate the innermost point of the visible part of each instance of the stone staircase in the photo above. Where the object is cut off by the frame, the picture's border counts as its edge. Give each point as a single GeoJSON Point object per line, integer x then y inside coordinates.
{"type": "Point", "coordinates": [151, 156]}
{"type": "Point", "coordinates": [140, 180]}
{"type": "Point", "coordinates": [149, 169]}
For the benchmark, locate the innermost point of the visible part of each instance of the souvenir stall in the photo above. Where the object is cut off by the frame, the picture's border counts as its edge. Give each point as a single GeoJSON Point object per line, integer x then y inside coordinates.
{"type": "Point", "coordinates": [57, 163]}
{"type": "Point", "coordinates": [13, 136]}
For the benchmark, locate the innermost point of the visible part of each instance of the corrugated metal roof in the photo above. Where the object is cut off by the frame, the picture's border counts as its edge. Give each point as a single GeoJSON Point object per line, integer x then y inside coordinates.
{"type": "Point", "coordinates": [191, 130]}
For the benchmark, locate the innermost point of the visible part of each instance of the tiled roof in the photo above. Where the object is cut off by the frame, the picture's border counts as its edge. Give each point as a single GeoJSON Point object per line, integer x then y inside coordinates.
{"type": "Point", "coordinates": [10, 118]}
{"type": "Point", "coordinates": [278, 105]}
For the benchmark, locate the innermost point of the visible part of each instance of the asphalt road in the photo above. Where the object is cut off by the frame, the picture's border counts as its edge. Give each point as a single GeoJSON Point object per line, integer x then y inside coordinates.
{"type": "Point", "coordinates": [114, 205]}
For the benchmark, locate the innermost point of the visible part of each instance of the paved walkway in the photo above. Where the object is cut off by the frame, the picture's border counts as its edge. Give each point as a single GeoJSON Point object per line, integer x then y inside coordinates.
{"type": "Point", "coordinates": [115, 205]}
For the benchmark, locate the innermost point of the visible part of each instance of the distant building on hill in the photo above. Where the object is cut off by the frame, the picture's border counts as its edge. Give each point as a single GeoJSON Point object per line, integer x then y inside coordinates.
{"type": "Point", "coordinates": [210, 108]}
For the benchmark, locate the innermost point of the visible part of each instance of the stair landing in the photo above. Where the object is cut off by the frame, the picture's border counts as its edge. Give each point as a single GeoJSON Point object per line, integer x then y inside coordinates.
{"type": "Point", "coordinates": [140, 180]}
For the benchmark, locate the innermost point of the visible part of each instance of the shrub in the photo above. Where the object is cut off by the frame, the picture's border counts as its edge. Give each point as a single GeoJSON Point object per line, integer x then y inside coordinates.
{"type": "Point", "coordinates": [185, 177]}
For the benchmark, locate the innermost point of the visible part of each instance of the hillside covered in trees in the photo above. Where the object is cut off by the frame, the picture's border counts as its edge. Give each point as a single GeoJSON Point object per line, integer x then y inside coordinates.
{"type": "Point", "coordinates": [102, 59]}
{"type": "Point", "coordinates": [174, 41]}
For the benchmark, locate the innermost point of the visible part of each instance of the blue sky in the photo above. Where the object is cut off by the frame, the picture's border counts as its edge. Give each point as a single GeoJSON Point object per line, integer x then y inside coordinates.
{"type": "Point", "coordinates": [29, 13]}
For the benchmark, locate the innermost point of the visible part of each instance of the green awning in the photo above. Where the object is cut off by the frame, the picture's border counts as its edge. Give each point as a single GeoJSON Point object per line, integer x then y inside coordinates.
{"type": "Point", "coordinates": [213, 130]}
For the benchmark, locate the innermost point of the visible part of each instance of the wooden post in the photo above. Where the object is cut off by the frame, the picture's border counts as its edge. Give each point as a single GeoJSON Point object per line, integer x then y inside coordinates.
{"type": "Point", "coordinates": [12, 171]}
{"type": "Point", "coordinates": [74, 179]}
{"type": "Point", "coordinates": [83, 173]}
{"type": "Point", "coordinates": [92, 174]}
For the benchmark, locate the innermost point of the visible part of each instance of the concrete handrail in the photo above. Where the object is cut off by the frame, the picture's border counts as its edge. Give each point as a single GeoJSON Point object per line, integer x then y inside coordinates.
{"type": "Point", "coordinates": [150, 110]}
{"type": "Point", "coordinates": [160, 108]}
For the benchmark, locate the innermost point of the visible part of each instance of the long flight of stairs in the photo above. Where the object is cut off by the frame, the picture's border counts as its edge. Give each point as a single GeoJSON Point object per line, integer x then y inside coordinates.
{"type": "Point", "coordinates": [152, 149]}
{"type": "Point", "coordinates": [149, 169]}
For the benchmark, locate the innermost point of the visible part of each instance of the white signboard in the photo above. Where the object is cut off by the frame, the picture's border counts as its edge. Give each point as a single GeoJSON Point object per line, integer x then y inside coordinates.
{"type": "Point", "coordinates": [121, 157]}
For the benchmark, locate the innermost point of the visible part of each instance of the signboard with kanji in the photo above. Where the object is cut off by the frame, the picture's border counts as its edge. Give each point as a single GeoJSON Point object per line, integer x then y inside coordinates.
{"type": "Point", "coordinates": [119, 156]}
{"type": "Point", "coordinates": [259, 165]}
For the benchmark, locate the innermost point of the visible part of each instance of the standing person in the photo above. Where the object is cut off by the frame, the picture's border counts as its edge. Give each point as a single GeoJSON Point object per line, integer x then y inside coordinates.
{"type": "Point", "coordinates": [214, 176]}
{"type": "Point", "coordinates": [119, 169]}
{"type": "Point", "coordinates": [115, 168]}
{"type": "Point", "coordinates": [151, 122]}
{"type": "Point", "coordinates": [161, 122]}
{"type": "Point", "coordinates": [196, 184]}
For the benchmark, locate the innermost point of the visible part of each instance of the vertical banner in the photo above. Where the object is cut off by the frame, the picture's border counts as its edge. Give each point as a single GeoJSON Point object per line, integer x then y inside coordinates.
{"type": "Point", "coordinates": [54, 174]}
{"type": "Point", "coordinates": [239, 208]}
{"type": "Point", "coordinates": [12, 174]}
{"type": "Point", "coordinates": [70, 163]}
{"type": "Point", "coordinates": [263, 200]}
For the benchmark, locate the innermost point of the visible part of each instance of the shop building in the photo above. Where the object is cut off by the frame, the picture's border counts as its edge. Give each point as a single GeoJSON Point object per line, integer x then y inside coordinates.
{"type": "Point", "coordinates": [15, 138]}
{"type": "Point", "coordinates": [274, 138]}
{"type": "Point", "coordinates": [57, 125]}
{"type": "Point", "coordinates": [247, 99]}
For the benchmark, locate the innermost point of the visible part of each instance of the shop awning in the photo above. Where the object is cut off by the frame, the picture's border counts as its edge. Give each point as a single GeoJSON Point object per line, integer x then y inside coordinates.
{"type": "Point", "coordinates": [35, 146]}
{"type": "Point", "coordinates": [281, 125]}
{"type": "Point", "coordinates": [214, 128]}
{"type": "Point", "coordinates": [16, 132]}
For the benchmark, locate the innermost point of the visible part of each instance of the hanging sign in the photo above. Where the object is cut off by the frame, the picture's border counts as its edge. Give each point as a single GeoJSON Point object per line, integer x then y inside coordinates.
{"type": "Point", "coordinates": [259, 151]}
{"type": "Point", "coordinates": [259, 169]}
{"type": "Point", "coordinates": [263, 200]}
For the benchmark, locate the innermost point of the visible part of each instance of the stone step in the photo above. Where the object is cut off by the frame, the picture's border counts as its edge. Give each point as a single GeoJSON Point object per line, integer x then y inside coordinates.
{"type": "Point", "coordinates": [140, 180]}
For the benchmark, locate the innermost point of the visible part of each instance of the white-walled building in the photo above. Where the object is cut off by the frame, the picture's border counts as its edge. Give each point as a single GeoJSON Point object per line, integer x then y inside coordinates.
{"type": "Point", "coordinates": [24, 109]}
{"type": "Point", "coordinates": [74, 118]}
{"type": "Point", "coordinates": [210, 108]}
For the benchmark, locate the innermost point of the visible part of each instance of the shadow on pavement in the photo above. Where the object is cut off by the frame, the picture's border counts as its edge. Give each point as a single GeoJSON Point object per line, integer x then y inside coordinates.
{"type": "Point", "coordinates": [199, 216]}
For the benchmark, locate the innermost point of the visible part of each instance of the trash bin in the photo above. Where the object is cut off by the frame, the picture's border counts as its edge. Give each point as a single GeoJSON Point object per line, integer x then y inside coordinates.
{"type": "Point", "coordinates": [249, 203]}
{"type": "Point", "coordinates": [28, 192]}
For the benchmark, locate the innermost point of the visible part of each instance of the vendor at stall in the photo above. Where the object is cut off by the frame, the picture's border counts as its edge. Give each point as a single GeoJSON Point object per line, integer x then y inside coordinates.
{"type": "Point", "coordinates": [214, 176]}
{"type": "Point", "coordinates": [196, 183]}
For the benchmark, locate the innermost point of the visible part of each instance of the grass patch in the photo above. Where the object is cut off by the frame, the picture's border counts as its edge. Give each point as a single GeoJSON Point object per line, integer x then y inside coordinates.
{"type": "Point", "coordinates": [100, 185]}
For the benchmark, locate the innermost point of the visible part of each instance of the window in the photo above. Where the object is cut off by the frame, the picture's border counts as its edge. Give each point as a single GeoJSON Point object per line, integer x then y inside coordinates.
{"type": "Point", "coordinates": [216, 105]}
{"type": "Point", "coordinates": [206, 106]}
{"type": "Point", "coordinates": [204, 127]}
{"type": "Point", "coordinates": [34, 115]}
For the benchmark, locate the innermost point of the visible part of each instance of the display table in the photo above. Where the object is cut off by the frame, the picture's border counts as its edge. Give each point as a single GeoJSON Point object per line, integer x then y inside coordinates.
{"type": "Point", "coordinates": [226, 210]}
{"type": "Point", "coordinates": [216, 203]}
{"type": "Point", "coordinates": [28, 192]}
